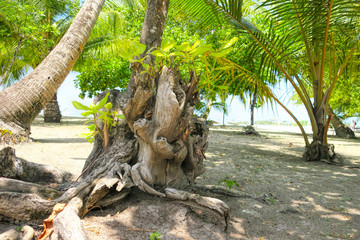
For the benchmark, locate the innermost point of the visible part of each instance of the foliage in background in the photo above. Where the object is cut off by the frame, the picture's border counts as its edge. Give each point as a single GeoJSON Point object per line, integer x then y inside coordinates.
{"type": "Point", "coordinates": [115, 35]}
{"type": "Point", "coordinates": [110, 74]}
{"type": "Point", "coordinates": [302, 42]}
{"type": "Point", "coordinates": [346, 103]}
{"type": "Point", "coordinates": [102, 64]}
{"type": "Point", "coordinates": [29, 30]}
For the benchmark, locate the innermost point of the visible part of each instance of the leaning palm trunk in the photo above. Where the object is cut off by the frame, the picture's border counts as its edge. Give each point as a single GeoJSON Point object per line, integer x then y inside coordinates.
{"type": "Point", "coordinates": [23, 101]}
{"type": "Point", "coordinates": [52, 111]}
{"type": "Point", "coordinates": [341, 129]}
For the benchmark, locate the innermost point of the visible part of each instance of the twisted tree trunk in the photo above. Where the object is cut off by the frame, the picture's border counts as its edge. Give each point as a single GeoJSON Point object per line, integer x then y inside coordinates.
{"type": "Point", "coordinates": [159, 147]}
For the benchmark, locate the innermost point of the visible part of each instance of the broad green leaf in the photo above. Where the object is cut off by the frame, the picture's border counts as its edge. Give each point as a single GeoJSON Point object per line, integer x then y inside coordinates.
{"type": "Point", "coordinates": [103, 101]}
{"type": "Point", "coordinates": [86, 134]}
{"type": "Point", "coordinates": [167, 44]}
{"type": "Point", "coordinates": [87, 113]}
{"type": "Point", "coordinates": [230, 43]}
{"type": "Point", "coordinates": [222, 53]}
{"type": "Point", "coordinates": [106, 118]}
{"type": "Point", "coordinates": [176, 54]}
{"type": "Point", "coordinates": [120, 116]}
{"type": "Point", "coordinates": [157, 53]}
{"type": "Point", "coordinates": [199, 51]}
{"type": "Point", "coordinates": [197, 43]}
{"type": "Point", "coordinates": [80, 106]}
{"type": "Point", "coordinates": [184, 47]}
{"type": "Point", "coordinates": [91, 127]}
{"type": "Point", "coordinates": [139, 48]}
{"type": "Point", "coordinates": [168, 48]}
{"type": "Point", "coordinates": [108, 105]}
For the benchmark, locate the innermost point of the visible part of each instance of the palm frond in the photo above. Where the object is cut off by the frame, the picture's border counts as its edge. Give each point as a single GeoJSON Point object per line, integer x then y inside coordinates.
{"type": "Point", "coordinates": [131, 4]}
{"type": "Point", "coordinates": [206, 13]}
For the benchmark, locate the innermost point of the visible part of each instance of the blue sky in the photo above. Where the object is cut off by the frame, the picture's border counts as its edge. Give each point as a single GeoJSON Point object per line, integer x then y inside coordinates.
{"type": "Point", "coordinates": [237, 112]}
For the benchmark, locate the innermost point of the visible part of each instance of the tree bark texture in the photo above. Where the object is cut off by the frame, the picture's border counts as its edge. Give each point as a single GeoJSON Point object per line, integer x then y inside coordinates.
{"type": "Point", "coordinates": [52, 112]}
{"type": "Point", "coordinates": [341, 129]}
{"type": "Point", "coordinates": [23, 101]}
{"type": "Point", "coordinates": [252, 107]}
{"type": "Point", "coordinates": [319, 149]}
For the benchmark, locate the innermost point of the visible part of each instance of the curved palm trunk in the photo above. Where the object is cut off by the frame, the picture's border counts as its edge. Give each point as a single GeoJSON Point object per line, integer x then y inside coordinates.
{"type": "Point", "coordinates": [23, 101]}
{"type": "Point", "coordinates": [341, 129]}
{"type": "Point", "coordinates": [252, 107]}
{"type": "Point", "coordinates": [52, 111]}
{"type": "Point", "coordinates": [206, 113]}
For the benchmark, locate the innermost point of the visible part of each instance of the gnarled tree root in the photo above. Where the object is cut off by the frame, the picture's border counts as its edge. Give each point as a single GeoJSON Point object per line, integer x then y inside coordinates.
{"type": "Point", "coordinates": [212, 205]}
{"type": "Point", "coordinates": [85, 196]}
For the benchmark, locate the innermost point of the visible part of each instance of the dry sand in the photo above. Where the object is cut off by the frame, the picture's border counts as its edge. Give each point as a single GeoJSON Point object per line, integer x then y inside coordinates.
{"type": "Point", "coordinates": [283, 196]}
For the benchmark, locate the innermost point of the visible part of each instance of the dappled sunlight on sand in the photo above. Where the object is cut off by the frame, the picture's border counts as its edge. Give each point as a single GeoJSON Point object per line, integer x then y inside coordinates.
{"type": "Point", "coordinates": [237, 225]}
{"type": "Point", "coordinates": [339, 217]}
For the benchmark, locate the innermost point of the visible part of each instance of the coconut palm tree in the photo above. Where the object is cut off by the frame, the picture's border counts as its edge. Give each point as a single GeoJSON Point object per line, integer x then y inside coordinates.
{"type": "Point", "coordinates": [37, 28]}
{"type": "Point", "coordinates": [23, 101]}
{"type": "Point", "coordinates": [302, 47]}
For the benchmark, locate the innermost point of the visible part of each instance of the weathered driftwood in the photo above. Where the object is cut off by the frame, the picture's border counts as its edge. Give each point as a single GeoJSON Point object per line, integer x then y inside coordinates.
{"type": "Point", "coordinates": [67, 224]}
{"type": "Point", "coordinates": [24, 206]}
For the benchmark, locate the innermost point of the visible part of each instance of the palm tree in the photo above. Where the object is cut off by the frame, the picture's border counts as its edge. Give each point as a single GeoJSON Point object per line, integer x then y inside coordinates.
{"type": "Point", "coordinates": [45, 23]}
{"type": "Point", "coordinates": [302, 48]}
{"type": "Point", "coordinates": [22, 102]}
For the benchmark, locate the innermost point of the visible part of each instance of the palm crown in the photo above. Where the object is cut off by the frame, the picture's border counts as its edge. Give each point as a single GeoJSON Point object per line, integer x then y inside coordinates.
{"type": "Point", "coordinates": [308, 43]}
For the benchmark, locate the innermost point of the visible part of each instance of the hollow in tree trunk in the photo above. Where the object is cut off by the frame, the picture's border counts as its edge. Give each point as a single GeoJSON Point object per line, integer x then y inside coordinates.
{"type": "Point", "coordinates": [52, 111]}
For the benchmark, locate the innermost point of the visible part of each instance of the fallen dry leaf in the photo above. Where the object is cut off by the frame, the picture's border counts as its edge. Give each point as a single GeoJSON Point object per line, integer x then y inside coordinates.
{"type": "Point", "coordinates": [48, 223]}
